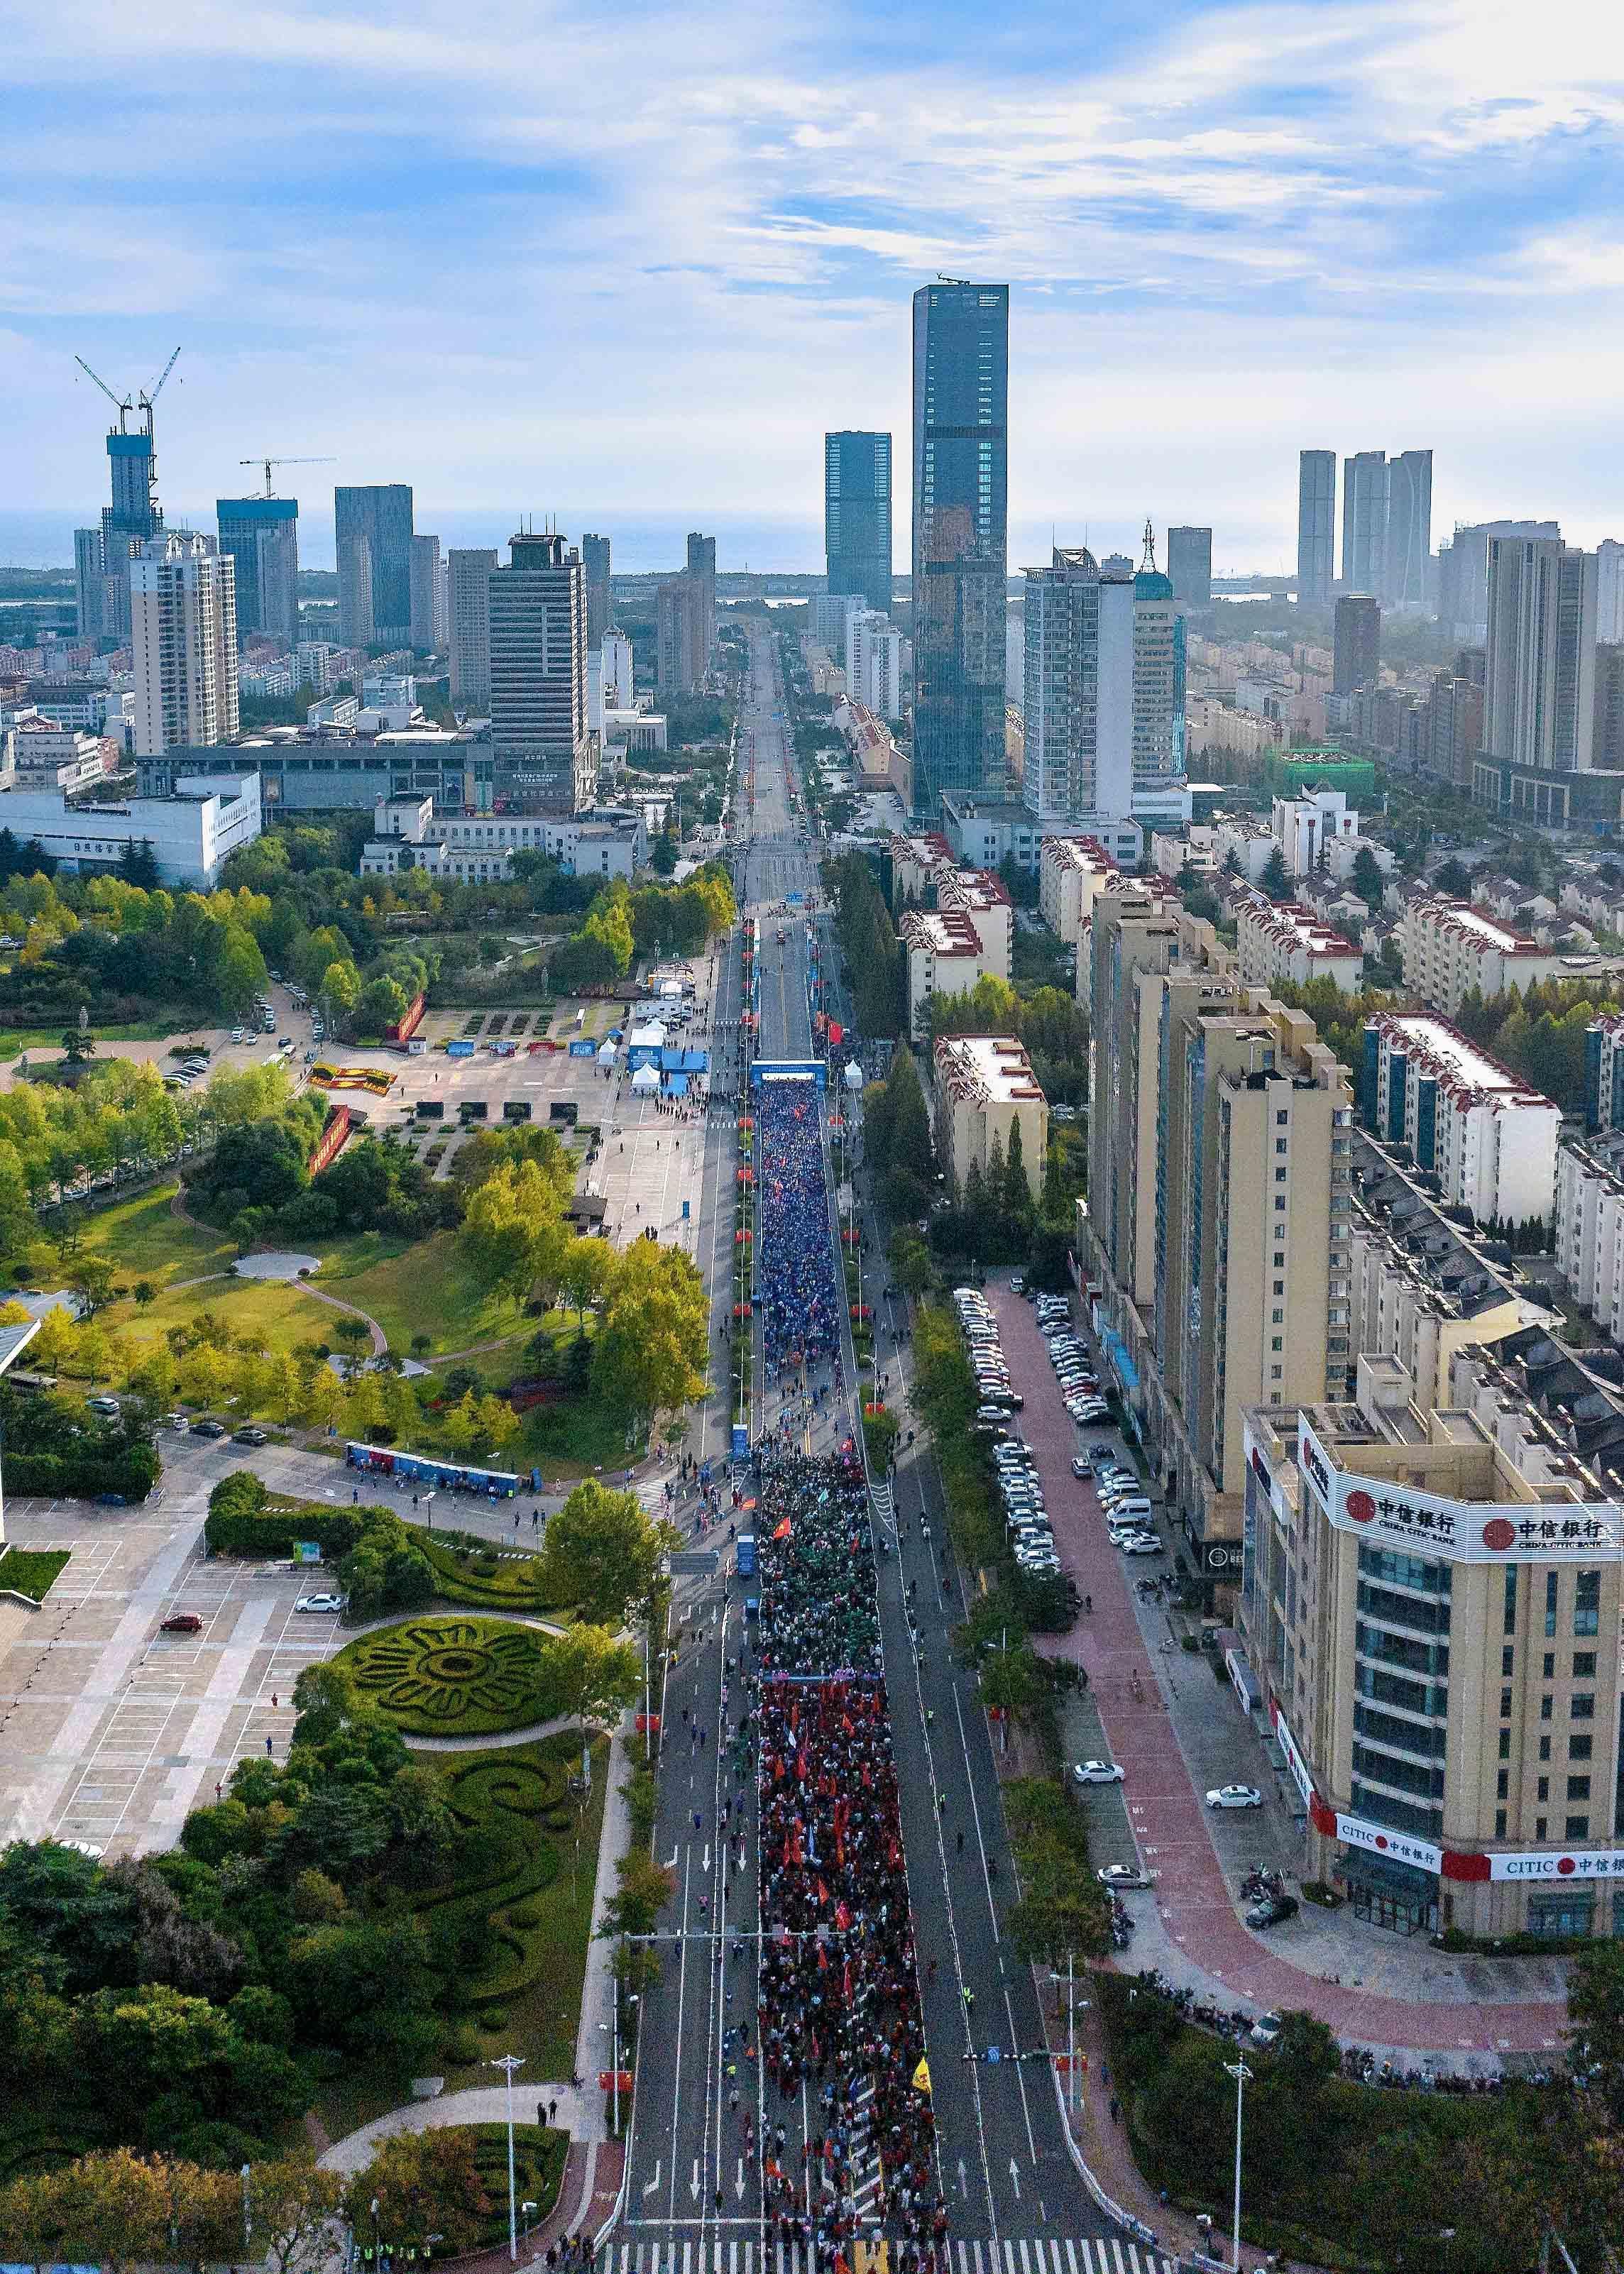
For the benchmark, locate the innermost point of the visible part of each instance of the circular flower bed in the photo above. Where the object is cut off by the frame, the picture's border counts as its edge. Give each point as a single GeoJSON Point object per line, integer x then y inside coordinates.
{"type": "Point", "coordinates": [451, 1677]}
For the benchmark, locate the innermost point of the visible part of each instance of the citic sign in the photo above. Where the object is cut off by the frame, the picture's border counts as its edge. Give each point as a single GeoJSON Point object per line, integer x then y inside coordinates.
{"type": "Point", "coordinates": [1457, 1530]}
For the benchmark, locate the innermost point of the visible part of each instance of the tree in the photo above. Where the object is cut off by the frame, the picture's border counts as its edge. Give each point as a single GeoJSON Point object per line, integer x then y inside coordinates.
{"type": "Point", "coordinates": [512, 1231]}
{"type": "Point", "coordinates": [424, 2183]}
{"type": "Point", "coordinates": [1274, 883]}
{"type": "Point", "coordinates": [290, 2201]}
{"type": "Point", "coordinates": [92, 1285]}
{"type": "Point", "coordinates": [597, 1675]}
{"type": "Point", "coordinates": [584, 1270]}
{"type": "Point", "coordinates": [655, 1341]}
{"type": "Point", "coordinates": [365, 1986]}
{"type": "Point", "coordinates": [1596, 2024]}
{"type": "Point", "coordinates": [1369, 883]}
{"type": "Point", "coordinates": [604, 1553]}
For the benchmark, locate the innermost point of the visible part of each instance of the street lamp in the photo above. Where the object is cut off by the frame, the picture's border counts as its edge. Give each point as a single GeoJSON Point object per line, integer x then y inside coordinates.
{"type": "Point", "coordinates": [1242, 2075]}
{"type": "Point", "coordinates": [508, 2064]}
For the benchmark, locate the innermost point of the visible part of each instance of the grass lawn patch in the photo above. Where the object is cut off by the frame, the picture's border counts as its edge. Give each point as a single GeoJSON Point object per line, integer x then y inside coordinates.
{"type": "Point", "coordinates": [276, 1315]}
{"type": "Point", "coordinates": [453, 1677]}
{"type": "Point", "coordinates": [572, 1439]}
{"type": "Point", "coordinates": [144, 1239]}
{"type": "Point", "coordinates": [31, 1571]}
{"type": "Point", "coordinates": [530, 1848]}
{"type": "Point", "coordinates": [19, 1039]}
{"type": "Point", "coordinates": [428, 1288]}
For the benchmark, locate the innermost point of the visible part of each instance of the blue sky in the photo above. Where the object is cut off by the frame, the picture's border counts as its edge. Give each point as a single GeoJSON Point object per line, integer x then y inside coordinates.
{"type": "Point", "coordinates": [624, 266]}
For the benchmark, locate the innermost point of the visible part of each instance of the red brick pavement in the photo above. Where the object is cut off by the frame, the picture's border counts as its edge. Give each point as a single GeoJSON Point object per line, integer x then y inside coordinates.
{"type": "Point", "coordinates": [1170, 1820]}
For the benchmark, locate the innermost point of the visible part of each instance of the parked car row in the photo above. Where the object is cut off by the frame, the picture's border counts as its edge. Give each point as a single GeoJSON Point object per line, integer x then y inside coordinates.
{"type": "Point", "coordinates": [1080, 1385]}
{"type": "Point", "coordinates": [995, 1387]}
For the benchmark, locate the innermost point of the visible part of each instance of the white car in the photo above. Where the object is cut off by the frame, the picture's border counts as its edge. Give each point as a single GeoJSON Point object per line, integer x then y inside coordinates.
{"type": "Point", "coordinates": [320, 1603]}
{"type": "Point", "coordinates": [1096, 1772]}
{"type": "Point", "coordinates": [1235, 1796]}
{"type": "Point", "coordinates": [1144, 1543]}
{"type": "Point", "coordinates": [1080, 1467]}
{"type": "Point", "coordinates": [1121, 1875]}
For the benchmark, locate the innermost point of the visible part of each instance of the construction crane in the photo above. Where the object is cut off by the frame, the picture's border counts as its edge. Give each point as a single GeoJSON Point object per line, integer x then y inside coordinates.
{"type": "Point", "coordinates": [123, 409]}
{"type": "Point", "coordinates": [269, 462]}
{"type": "Point", "coordinates": [151, 395]}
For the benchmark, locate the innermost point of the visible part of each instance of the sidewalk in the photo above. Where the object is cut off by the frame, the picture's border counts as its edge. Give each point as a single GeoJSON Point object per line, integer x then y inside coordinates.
{"type": "Point", "coordinates": [1176, 1733]}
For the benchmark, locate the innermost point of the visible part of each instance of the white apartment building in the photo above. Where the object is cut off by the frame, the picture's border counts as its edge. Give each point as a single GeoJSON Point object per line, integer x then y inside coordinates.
{"type": "Point", "coordinates": [983, 1088]}
{"type": "Point", "coordinates": [965, 937]}
{"type": "Point", "coordinates": [183, 637]}
{"type": "Point", "coordinates": [615, 673]}
{"type": "Point", "coordinates": [1589, 1228]}
{"type": "Point", "coordinates": [874, 662]}
{"type": "Point", "coordinates": [1242, 843]}
{"type": "Point", "coordinates": [1070, 870]}
{"type": "Point", "coordinates": [1307, 825]}
{"type": "Point", "coordinates": [1292, 943]}
{"type": "Point", "coordinates": [1449, 947]}
{"type": "Point", "coordinates": [1489, 1138]}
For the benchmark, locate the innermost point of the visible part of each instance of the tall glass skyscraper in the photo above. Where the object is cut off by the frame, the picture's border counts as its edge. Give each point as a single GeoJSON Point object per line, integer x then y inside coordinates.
{"type": "Point", "coordinates": [961, 367]}
{"type": "Point", "coordinates": [1316, 524]}
{"type": "Point", "coordinates": [261, 534]}
{"type": "Point", "coordinates": [378, 516]}
{"type": "Point", "coordinates": [857, 515]}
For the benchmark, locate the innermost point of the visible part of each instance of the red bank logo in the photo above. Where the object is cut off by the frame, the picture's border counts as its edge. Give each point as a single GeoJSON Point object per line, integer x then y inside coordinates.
{"type": "Point", "coordinates": [1500, 1533]}
{"type": "Point", "coordinates": [1361, 1507]}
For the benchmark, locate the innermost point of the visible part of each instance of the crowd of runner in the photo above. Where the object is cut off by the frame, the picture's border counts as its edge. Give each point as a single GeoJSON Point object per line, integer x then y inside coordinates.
{"type": "Point", "coordinates": [839, 2019]}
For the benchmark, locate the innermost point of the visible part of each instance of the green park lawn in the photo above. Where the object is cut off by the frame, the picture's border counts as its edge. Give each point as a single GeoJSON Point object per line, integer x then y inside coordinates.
{"type": "Point", "coordinates": [18, 1039]}
{"type": "Point", "coordinates": [31, 1571]}
{"type": "Point", "coordinates": [144, 1239]}
{"type": "Point", "coordinates": [428, 1289]}
{"type": "Point", "coordinates": [278, 1316]}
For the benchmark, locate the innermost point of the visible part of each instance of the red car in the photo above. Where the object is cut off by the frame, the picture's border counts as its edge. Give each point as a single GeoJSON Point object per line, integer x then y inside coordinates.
{"type": "Point", "coordinates": [183, 1623]}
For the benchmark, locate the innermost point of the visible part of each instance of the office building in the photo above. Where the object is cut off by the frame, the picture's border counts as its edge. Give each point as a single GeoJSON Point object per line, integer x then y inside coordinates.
{"type": "Point", "coordinates": [1488, 1138]}
{"type": "Point", "coordinates": [374, 592]}
{"type": "Point", "coordinates": [1190, 565]}
{"type": "Point", "coordinates": [702, 615]}
{"type": "Point", "coordinates": [1215, 1223]}
{"type": "Point", "coordinates": [1462, 598]}
{"type": "Point", "coordinates": [1316, 524]}
{"type": "Point", "coordinates": [1158, 682]}
{"type": "Point", "coordinates": [1610, 591]}
{"type": "Point", "coordinates": [541, 748]}
{"type": "Point", "coordinates": [1364, 521]}
{"type": "Point", "coordinates": [826, 618]}
{"type": "Point", "coordinates": [468, 577]}
{"type": "Point", "coordinates": [192, 831]}
{"type": "Point", "coordinates": [1357, 643]}
{"type": "Point", "coordinates": [857, 515]}
{"type": "Point", "coordinates": [1408, 551]}
{"type": "Point", "coordinates": [599, 608]}
{"type": "Point", "coordinates": [260, 536]}
{"type": "Point", "coordinates": [183, 637]}
{"type": "Point", "coordinates": [1541, 694]}
{"type": "Point", "coordinates": [89, 583]}
{"type": "Point", "coordinates": [1453, 728]}
{"type": "Point", "coordinates": [428, 595]}
{"type": "Point", "coordinates": [959, 539]}
{"type": "Point", "coordinates": [1079, 713]}
{"type": "Point", "coordinates": [983, 1091]}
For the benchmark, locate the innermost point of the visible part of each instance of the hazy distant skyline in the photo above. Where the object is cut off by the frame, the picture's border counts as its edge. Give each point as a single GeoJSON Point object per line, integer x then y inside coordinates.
{"type": "Point", "coordinates": [626, 271]}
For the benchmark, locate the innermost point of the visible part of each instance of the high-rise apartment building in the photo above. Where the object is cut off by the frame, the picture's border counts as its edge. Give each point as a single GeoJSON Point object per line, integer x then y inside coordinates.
{"type": "Point", "coordinates": [541, 748]}
{"type": "Point", "coordinates": [1079, 709]}
{"type": "Point", "coordinates": [857, 515]}
{"type": "Point", "coordinates": [674, 641]}
{"type": "Point", "coordinates": [1462, 595]}
{"type": "Point", "coordinates": [378, 515]}
{"type": "Point", "coordinates": [1158, 682]}
{"type": "Point", "coordinates": [599, 608]}
{"type": "Point", "coordinates": [182, 635]}
{"type": "Point", "coordinates": [618, 680]}
{"type": "Point", "coordinates": [428, 594]}
{"type": "Point", "coordinates": [469, 628]}
{"type": "Point", "coordinates": [89, 583]}
{"type": "Point", "coordinates": [261, 536]}
{"type": "Point", "coordinates": [874, 662]}
{"type": "Point", "coordinates": [1218, 1191]}
{"type": "Point", "coordinates": [702, 615]}
{"type": "Point", "coordinates": [1316, 524]}
{"type": "Point", "coordinates": [1409, 547]}
{"type": "Point", "coordinates": [1190, 565]}
{"type": "Point", "coordinates": [961, 339]}
{"type": "Point", "coordinates": [1540, 698]}
{"type": "Point", "coordinates": [1357, 643]}
{"type": "Point", "coordinates": [1364, 521]}
{"type": "Point", "coordinates": [1610, 591]}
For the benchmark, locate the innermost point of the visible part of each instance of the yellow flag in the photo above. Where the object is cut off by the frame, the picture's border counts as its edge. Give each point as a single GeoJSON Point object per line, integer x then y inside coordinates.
{"type": "Point", "coordinates": [922, 2077]}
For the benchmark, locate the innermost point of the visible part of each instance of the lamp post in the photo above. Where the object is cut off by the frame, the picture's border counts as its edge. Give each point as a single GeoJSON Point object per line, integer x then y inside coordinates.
{"type": "Point", "coordinates": [508, 2064]}
{"type": "Point", "coordinates": [1242, 2075]}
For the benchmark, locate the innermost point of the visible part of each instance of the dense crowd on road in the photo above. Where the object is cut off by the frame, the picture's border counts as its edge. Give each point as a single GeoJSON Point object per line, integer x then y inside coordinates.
{"type": "Point", "coordinates": [795, 1266]}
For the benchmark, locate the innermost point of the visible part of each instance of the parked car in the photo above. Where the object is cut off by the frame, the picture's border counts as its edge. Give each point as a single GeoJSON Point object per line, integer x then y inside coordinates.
{"type": "Point", "coordinates": [183, 1623]}
{"type": "Point", "coordinates": [1272, 1911]}
{"type": "Point", "coordinates": [1142, 1543]}
{"type": "Point", "coordinates": [208, 1428]}
{"type": "Point", "coordinates": [1080, 1467]}
{"type": "Point", "coordinates": [1264, 2030]}
{"type": "Point", "coordinates": [1235, 1796]}
{"type": "Point", "coordinates": [1121, 1875]}
{"type": "Point", "coordinates": [1096, 1772]}
{"type": "Point", "coordinates": [249, 1436]}
{"type": "Point", "coordinates": [108, 1406]}
{"type": "Point", "coordinates": [320, 1603]}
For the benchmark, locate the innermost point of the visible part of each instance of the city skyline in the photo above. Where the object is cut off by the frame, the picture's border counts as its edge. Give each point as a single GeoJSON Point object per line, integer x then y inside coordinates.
{"type": "Point", "coordinates": [1333, 222]}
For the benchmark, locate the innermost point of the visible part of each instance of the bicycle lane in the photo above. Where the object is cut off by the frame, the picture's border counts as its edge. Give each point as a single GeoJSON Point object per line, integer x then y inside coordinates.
{"type": "Point", "coordinates": [1204, 1940]}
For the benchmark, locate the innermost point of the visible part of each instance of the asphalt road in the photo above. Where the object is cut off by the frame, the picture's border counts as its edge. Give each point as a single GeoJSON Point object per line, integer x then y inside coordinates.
{"type": "Point", "coordinates": [1006, 2167]}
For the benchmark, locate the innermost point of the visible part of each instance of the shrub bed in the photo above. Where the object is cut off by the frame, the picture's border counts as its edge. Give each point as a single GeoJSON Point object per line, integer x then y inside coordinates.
{"type": "Point", "coordinates": [243, 1520]}
{"type": "Point", "coordinates": [453, 1677]}
{"type": "Point", "coordinates": [470, 1571]}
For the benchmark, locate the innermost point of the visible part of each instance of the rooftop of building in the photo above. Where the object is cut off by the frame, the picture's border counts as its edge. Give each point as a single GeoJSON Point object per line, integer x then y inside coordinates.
{"type": "Point", "coordinates": [1085, 854]}
{"type": "Point", "coordinates": [993, 1069]}
{"type": "Point", "coordinates": [1461, 915]}
{"type": "Point", "coordinates": [941, 932]}
{"type": "Point", "coordinates": [977, 888]}
{"type": "Point", "coordinates": [1294, 926]}
{"type": "Point", "coordinates": [1462, 1272]}
{"type": "Point", "coordinates": [1469, 1074]}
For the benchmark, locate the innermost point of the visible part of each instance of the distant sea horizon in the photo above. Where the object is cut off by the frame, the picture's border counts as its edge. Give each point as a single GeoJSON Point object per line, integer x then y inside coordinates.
{"type": "Point", "coordinates": [43, 538]}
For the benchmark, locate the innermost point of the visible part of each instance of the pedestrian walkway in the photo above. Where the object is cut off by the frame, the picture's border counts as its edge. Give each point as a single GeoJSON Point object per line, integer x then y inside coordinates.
{"type": "Point", "coordinates": [1039, 2254]}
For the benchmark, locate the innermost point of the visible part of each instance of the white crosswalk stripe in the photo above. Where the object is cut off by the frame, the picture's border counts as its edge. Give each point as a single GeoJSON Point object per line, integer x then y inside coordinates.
{"type": "Point", "coordinates": [1035, 2255]}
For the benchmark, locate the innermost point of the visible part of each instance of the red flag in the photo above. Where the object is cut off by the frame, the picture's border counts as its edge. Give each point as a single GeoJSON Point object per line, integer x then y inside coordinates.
{"type": "Point", "coordinates": [843, 1917]}
{"type": "Point", "coordinates": [782, 1531]}
{"type": "Point", "coordinates": [845, 1982]}
{"type": "Point", "coordinates": [822, 1960]}
{"type": "Point", "coordinates": [822, 1893]}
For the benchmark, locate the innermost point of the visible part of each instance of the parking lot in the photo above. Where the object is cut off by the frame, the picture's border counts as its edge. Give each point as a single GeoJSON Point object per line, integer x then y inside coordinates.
{"type": "Point", "coordinates": [111, 1730]}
